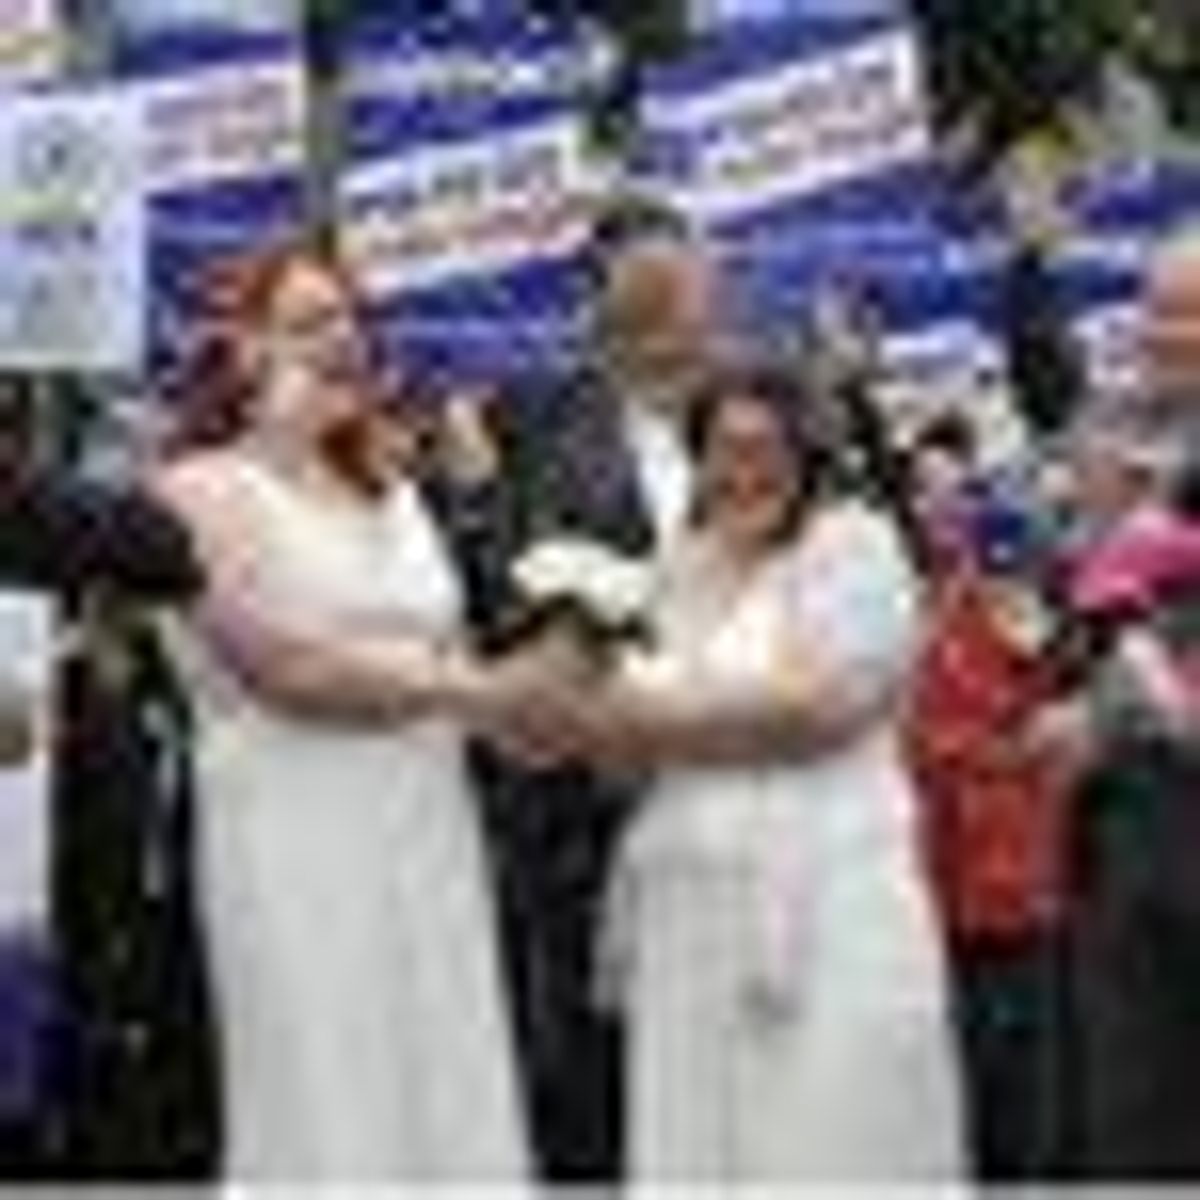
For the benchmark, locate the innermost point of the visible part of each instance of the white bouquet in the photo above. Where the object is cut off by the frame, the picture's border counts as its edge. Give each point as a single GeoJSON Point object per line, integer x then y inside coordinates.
{"type": "Point", "coordinates": [602, 598]}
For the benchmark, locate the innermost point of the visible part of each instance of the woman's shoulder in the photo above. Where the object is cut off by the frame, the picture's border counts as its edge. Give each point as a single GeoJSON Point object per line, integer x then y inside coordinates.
{"type": "Point", "coordinates": [214, 492]}
{"type": "Point", "coordinates": [203, 474]}
{"type": "Point", "coordinates": [850, 531]}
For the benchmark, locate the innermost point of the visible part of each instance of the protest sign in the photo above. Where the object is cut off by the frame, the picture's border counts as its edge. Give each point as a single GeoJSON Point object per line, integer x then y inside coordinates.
{"type": "Point", "coordinates": [72, 232]}
{"type": "Point", "coordinates": [469, 189]}
{"type": "Point", "coordinates": [225, 119]}
{"type": "Point", "coordinates": [801, 144]}
{"type": "Point", "coordinates": [1116, 218]}
{"type": "Point", "coordinates": [33, 42]}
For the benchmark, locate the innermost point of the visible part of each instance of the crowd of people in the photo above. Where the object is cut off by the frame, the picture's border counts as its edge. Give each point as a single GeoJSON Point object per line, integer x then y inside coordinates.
{"type": "Point", "coordinates": [869, 862]}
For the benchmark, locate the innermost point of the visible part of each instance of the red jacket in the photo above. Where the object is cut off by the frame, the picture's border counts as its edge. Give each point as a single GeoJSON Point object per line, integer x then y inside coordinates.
{"type": "Point", "coordinates": [994, 819]}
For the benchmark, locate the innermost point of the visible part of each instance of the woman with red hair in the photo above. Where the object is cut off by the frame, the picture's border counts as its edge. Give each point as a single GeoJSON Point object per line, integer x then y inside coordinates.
{"type": "Point", "coordinates": [342, 872]}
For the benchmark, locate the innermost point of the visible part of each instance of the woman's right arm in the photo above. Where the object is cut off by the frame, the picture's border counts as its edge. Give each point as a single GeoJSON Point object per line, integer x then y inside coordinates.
{"type": "Point", "coordinates": [289, 661]}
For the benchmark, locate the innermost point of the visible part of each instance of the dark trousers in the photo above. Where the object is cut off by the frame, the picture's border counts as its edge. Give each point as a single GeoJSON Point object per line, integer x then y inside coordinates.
{"type": "Point", "coordinates": [1014, 1025]}
{"type": "Point", "coordinates": [1140, 985]}
{"type": "Point", "coordinates": [1138, 964]}
{"type": "Point", "coordinates": [135, 1059]}
{"type": "Point", "coordinates": [552, 840]}
{"type": "Point", "coordinates": [28, 1019]}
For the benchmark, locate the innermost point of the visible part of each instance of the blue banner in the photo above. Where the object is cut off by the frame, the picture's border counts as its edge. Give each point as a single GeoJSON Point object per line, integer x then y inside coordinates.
{"type": "Point", "coordinates": [803, 146]}
{"type": "Point", "coordinates": [712, 14]}
{"type": "Point", "coordinates": [1116, 219]}
{"type": "Point", "coordinates": [225, 118]}
{"type": "Point", "coordinates": [762, 119]}
{"type": "Point", "coordinates": [468, 188]}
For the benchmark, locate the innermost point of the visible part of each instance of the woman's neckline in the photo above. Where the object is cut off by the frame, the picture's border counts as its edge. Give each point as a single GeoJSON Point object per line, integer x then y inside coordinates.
{"type": "Point", "coordinates": [314, 482]}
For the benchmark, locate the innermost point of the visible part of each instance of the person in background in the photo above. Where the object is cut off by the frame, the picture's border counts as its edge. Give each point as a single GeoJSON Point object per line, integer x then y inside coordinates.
{"type": "Point", "coordinates": [840, 352]}
{"type": "Point", "coordinates": [1116, 467]}
{"type": "Point", "coordinates": [1044, 360]}
{"type": "Point", "coordinates": [1132, 728]}
{"type": "Point", "coordinates": [1171, 343]}
{"type": "Point", "coordinates": [942, 485]}
{"type": "Point", "coordinates": [121, 1040]}
{"type": "Point", "coordinates": [996, 818]}
{"type": "Point", "coordinates": [459, 456]}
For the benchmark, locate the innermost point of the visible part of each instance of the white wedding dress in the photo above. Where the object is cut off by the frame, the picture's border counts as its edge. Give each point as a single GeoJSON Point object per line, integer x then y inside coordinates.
{"type": "Point", "coordinates": [343, 882]}
{"type": "Point", "coordinates": [770, 930]}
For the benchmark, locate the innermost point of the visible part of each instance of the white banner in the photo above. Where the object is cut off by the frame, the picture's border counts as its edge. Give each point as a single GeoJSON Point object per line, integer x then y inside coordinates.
{"type": "Point", "coordinates": [803, 127]}
{"type": "Point", "coordinates": [710, 14]}
{"type": "Point", "coordinates": [72, 233]}
{"type": "Point", "coordinates": [153, 15]}
{"type": "Point", "coordinates": [223, 122]}
{"type": "Point", "coordinates": [467, 208]}
{"type": "Point", "coordinates": [948, 366]}
{"type": "Point", "coordinates": [32, 42]}
{"type": "Point", "coordinates": [1110, 337]}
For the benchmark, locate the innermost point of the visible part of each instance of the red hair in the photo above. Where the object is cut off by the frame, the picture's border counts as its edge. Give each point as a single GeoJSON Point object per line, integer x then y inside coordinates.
{"type": "Point", "coordinates": [214, 391]}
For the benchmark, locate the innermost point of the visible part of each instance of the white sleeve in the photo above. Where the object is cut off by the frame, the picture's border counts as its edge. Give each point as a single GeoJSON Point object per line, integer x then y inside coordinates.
{"type": "Point", "coordinates": [855, 599]}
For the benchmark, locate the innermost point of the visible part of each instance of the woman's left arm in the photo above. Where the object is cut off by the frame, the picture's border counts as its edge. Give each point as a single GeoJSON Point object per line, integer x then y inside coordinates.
{"type": "Point", "coordinates": [842, 660]}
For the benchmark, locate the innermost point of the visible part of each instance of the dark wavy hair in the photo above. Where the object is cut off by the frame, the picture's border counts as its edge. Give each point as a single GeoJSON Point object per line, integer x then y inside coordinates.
{"type": "Point", "coordinates": [213, 390]}
{"type": "Point", "coordinates": [786, 398]}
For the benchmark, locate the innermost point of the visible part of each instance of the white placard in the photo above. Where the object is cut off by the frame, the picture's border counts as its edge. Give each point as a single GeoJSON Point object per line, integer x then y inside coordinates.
{"type": "Point", "coordinates": [1110, 337]}
{"type": "Point", "coordinates": [26, 677]}
{"type": "Point", "coordinates": [712, 14]}
{"type": "Point", "coordinates": [32, 42]}
{"type": "Point", "coordinates": [223, 122]}
{"type": "Point", "coordinates": [143, 16]}
{"type": "Point", "coordinates": [448, 211]}
{"type": "Point", "coordinates": [949, 366]}
{"type": "Point", "coordinates": [800, 128]}
{"type": "Point", "coordinates": [72, 232]}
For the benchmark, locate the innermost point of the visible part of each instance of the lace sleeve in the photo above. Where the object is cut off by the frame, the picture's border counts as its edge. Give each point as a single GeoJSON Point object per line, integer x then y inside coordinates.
{"type": "Point", "coordinates": [854, 600]}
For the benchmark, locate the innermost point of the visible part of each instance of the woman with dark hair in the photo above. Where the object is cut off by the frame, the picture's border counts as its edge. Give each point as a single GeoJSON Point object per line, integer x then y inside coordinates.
{"type": "Point", "coordinates": [774, 948]}
{"type": "Point", "coordinates": [341, 867]}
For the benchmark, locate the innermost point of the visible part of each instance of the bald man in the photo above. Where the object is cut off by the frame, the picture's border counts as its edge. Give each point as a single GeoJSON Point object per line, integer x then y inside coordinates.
{"type": "Point", "coordinates": [1171, 334]}
{"type": "Point", "coordinates": [597, 452]}
{"type": "Point", "coordinates": [1139, 925]}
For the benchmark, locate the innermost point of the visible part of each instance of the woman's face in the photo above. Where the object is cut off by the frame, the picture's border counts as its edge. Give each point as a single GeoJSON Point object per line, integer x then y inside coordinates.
{"type": "Point", "coordinates": [940, 478]}
{"type": "Point", "coordinates": [311, 351]}
{"type": "Point", "coordinates": [749, 481]}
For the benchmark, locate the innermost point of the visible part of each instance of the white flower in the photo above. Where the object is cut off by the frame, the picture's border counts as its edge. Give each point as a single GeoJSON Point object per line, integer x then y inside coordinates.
{"type": "Point", "coordinates": [614, 589]}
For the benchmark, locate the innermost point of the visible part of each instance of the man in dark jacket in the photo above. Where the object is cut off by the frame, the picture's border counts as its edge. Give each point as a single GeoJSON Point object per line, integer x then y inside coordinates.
{"type": "Point", "coordinates": [127, 1087]}
{"type": "Point", "coordinates": [1139, 923]}
{"type": "Point", "coordinates": [598, 454]}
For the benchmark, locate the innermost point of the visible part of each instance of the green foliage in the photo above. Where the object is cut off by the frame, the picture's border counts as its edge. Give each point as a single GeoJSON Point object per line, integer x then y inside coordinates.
{"type": "Point", "coordinates": [1016, 65]}
{"type": "Point", "coordinates": [323, 21]}
{"type": "Point", "coordinates": [1165, 42]}
{"type": "Point", "coordinates": [644, 31]}
{"type": "Point", "coordinates": [1013, 65]}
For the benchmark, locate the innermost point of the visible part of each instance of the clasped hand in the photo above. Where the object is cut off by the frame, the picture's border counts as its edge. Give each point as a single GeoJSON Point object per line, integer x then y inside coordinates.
{"type": "Point", "coordinates": [554, 703]}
